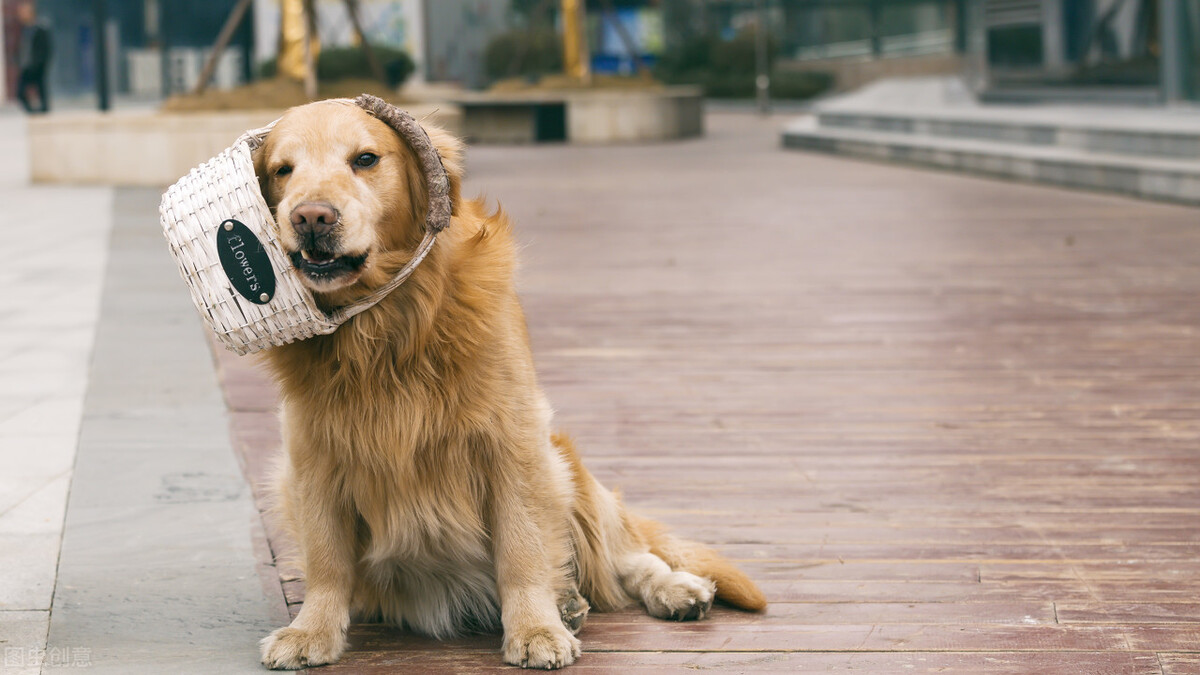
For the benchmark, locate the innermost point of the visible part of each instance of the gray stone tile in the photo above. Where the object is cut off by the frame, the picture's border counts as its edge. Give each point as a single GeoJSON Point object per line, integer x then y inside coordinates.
{"type": "Point", "coordinates": [43, 417]}
{"type": "Point", "coordinates": [29, 542]}
{"type": "Point", "coordinates": [157, 571]}
{"type": "Point", "coordinates": [13, 143]}
{"type": "Point", "coordinates": [45, 348]}
{"type": "Point", "coordinates": [31, 462]}
{"type": "Point", "coordinates": [23, 641]}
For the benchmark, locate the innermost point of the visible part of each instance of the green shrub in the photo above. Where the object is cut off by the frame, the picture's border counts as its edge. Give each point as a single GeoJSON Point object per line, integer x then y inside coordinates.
{"type": "Point", "coordinates": [686, 62]}
{"type": "Point", "coordinates": [728, 68]}
{"type": "Point", "coordinates": [523, 53]}
{"type": "Point", "coordinates": [739, 55]}
{"type": "Point", "coordinates": [797, 84]}
{"type": "Point", "coordinates": [340, 63]}
{"type": "Point", "coordinates": [727, 86]}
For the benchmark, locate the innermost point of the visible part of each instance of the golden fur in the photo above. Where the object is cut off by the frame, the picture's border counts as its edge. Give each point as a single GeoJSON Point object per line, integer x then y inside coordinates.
{"type": "Point", "coordinates": [422, 480]}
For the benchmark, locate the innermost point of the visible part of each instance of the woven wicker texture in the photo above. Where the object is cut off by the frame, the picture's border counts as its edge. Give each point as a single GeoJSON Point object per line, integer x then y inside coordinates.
{"type": "Point", "coordinates": [192, 210]}
{"type": "Point", "coordinates": [226, 187]}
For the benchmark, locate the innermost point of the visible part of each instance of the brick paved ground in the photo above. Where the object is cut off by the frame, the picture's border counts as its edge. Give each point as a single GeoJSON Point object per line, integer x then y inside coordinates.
{"type": "Point", "coordinates": [949, 424]}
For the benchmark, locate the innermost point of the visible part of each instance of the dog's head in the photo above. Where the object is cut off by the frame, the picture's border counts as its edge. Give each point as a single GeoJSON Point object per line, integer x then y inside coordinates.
{"type": "Point", "coordinates": [348, 193]}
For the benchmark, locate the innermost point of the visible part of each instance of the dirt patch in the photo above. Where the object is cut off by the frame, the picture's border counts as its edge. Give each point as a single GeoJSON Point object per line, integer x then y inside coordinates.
{"type": "Point", "coordinates": [277, 93]}
{"type": "Point", "coordinates": [562, 82]}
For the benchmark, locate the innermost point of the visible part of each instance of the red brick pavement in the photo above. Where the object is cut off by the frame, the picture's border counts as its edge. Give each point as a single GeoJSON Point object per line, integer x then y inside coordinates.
{"type": "Point", "coordinates": [949, 424]}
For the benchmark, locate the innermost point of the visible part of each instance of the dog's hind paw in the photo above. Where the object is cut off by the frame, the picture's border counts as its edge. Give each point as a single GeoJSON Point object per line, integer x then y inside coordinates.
{"type": "Point", "coordinates": [681, 596]}
{"type": "Point", "coordinates": [541, 647]}
{"type": "Point", "coordinates": [574, 609]}
{"type": "Point", "coordinates": [293, 648]}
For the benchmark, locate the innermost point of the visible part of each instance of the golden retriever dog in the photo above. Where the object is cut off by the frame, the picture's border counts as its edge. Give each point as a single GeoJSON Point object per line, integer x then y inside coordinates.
{"type": "Point", "coordinates": [422, 479]}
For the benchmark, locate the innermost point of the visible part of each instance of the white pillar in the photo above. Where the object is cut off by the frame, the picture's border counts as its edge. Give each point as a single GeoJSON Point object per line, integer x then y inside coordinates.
{"type": "Point", "coordinates": [266, 32]}
{"type": "Point", "coordinates": [3, 66]}
{"type": "Point", "coordinates": [1053, 53]}
{"type": "Point", "coordinates": [1173, 65]}
{"type": "Point", "coordinates": [976, 70]}
{"type": "Point", "coordinates": [414, 12]}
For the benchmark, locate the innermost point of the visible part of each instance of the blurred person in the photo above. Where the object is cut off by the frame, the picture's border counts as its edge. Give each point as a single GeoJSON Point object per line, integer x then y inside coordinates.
{"type": "Point", "coordinates": [33, 56]}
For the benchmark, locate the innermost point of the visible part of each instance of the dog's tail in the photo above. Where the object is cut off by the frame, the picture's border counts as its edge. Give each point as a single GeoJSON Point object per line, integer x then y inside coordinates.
{"type": "Point", "coordinates": [733, 586]}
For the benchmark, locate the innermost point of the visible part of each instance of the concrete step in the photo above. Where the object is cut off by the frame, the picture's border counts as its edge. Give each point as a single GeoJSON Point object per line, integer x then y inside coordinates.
{"type": "Point", "coordinates": [1129, 131]}
{"type": "Point", "coordinates": [1170, 179]}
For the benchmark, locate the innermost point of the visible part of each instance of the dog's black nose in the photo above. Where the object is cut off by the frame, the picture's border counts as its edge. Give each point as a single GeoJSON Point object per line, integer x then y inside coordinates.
{"type": "Point", "coordinates": [314, 219]}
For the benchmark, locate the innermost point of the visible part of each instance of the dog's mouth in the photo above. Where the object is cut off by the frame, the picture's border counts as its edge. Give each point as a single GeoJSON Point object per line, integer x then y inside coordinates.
{"type": "Point", "coordinates": [323, 266]}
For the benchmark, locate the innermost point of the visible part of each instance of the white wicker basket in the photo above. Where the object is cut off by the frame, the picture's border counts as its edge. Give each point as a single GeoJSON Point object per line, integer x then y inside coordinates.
{"type": "Point", "coordinates": [222, 194]}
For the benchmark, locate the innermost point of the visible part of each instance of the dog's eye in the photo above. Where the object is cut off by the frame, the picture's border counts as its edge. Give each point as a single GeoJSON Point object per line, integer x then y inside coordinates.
{"type": "Point", "coordinates": [366, 160]}
{"type": "Point", "coordinates": [283, 170]}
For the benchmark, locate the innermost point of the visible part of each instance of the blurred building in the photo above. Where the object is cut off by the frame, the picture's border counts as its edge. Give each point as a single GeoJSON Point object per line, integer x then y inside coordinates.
{"type": "Point", "coordinates": [856, 40]}
{"type": "Point", "coordinates": [445, 38]}
{"type": "Point", "coordinates": [1131, 50]}
{"type": "Point", "coordinates": [456, 33]}
{"type": "Point", "coordinates": [1102, 50]}
{"type": "Point", "coordinates": [152, 45]}
{"type": "Point", "coordinates": [1105, 50]}
{"type": "Point", "coordinates": [395, 23]}
{"type": "Point", "coordinates": [642, 23]}
{"type": "Point", "coordinates": [158, 47]}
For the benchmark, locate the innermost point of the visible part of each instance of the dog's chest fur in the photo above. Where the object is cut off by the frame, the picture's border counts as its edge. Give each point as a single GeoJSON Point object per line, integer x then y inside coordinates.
{"type": "Point", "coordinates": [424, 541]}
{"type": "Point", "coordinates": [415, 417]}
{"type": "Point", "coordinates": [411, 456]}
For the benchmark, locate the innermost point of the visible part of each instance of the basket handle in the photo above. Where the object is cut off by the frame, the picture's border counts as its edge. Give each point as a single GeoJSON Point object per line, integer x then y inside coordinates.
{"type": "Point", "coordinates": [341, 314]}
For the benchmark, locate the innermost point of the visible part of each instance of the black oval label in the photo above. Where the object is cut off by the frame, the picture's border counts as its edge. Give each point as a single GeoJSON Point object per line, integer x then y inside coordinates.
{"type": "Point", "coordinates": [245, 262]}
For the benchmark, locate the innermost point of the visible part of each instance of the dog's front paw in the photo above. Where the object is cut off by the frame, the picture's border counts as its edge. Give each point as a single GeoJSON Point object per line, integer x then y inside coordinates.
{"type": "Point", "coordinates": [543, 647]}
{"type": "Point", "coordinates": [292, 648]}
{"type": "Point", "coordinates": [681, 596]}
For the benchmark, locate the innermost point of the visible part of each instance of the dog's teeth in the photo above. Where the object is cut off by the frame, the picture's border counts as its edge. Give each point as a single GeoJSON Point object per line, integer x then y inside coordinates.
{"type": "Point", "coordinates": [304, 254]}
